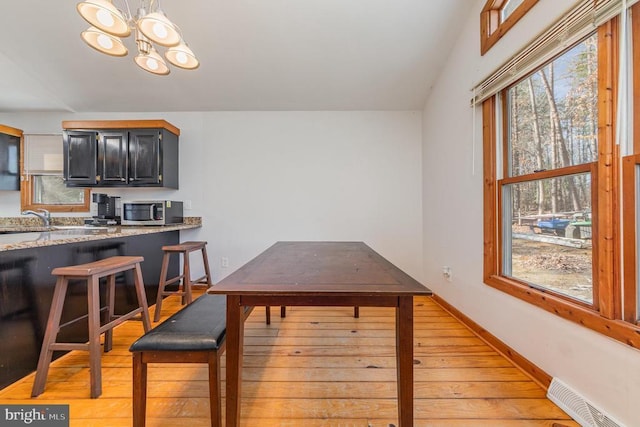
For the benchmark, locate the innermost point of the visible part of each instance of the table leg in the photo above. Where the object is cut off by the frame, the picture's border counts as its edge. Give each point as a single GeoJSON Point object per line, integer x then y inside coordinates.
{"type": "Point", "coordinates": [404, 358]}
{"type": "Point", "coordinates": [235, 333]}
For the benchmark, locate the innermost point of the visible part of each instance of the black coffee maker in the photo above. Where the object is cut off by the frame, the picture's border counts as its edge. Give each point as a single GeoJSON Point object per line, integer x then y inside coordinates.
{"type": "Point", "coordinates": [107, 209]}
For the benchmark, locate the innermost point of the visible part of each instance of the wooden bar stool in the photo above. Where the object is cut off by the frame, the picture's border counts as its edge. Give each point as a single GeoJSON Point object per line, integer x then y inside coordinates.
{"type": "Point", "coordinates": [185, 289]}
{"type": "Point", "coordinates": [91, 272]}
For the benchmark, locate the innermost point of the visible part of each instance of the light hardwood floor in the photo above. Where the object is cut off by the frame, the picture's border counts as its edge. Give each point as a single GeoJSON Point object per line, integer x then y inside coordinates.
{"type": "Point", "coordinates": [317, 367]}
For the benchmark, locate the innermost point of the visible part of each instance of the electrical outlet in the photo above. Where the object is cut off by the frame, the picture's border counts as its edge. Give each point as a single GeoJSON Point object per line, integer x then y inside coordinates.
{"type": "Point", "coordinates": [446, 273]}
{"type": "Point", "coordinates": [187, 205]}
{"type": "Point", "coordinates": [224, 262]}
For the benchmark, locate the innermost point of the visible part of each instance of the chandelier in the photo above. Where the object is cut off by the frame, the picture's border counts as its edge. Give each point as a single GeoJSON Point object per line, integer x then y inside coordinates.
{"type": "Point", "coordinates": [150, 25]}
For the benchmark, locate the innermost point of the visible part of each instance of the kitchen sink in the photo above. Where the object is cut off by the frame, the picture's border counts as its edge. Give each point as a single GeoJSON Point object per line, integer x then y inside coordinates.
{"type": "Point", "coordinates": [10, 235]}
{"type": "Point", "coordinates": [42, 229]}
{"type": "Point", "coordinates": [22, 230]}
{"type": "Point", "coordinates": [17, 237]}
{"type": "Point", "coordinates": [77, 227]}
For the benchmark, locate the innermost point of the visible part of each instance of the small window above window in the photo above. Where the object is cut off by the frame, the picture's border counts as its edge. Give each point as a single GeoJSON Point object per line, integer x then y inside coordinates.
{"type": "Point", "coordinates": [508, 8]}
{"type": "Point", "coordinates": [497, 17]}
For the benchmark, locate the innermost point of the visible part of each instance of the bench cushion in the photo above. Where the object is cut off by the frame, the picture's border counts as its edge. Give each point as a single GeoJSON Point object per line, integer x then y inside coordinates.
{"type": "Point", "coordinates": [199, 326]}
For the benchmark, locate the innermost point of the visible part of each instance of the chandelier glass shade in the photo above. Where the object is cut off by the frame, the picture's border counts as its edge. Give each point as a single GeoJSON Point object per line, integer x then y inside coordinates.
{"type": "Point", "coordinates": [157, 28]}
{"type": "Point", "coordinates": [150, 24]}
{"type": "Point", "coordinates": [103, 14]}
{"type": "Point", "coordinates": [104, 42]}
{"type": "Point", "coordinates": [182, 56]}
{"type": "Point", "coordinates": [152, 62]}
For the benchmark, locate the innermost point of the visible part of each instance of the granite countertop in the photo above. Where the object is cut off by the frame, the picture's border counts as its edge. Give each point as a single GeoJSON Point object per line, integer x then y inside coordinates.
{"type": "Point", "coordinates": [24, 236]}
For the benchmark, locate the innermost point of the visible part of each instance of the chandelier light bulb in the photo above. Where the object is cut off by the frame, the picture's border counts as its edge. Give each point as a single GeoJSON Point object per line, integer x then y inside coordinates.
{"type": "Point", "coordinates": [105, 41]}
{"type": "Point", "coordinates": [105, 18]}
{"type": "Point", "coordinates": [160, 30]}
{"type": "Point", "coordinates": [182, 58]}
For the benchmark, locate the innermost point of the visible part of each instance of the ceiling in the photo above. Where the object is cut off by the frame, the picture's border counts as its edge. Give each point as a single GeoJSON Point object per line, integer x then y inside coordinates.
{"type": "Point", "coordinates": [254, 54]}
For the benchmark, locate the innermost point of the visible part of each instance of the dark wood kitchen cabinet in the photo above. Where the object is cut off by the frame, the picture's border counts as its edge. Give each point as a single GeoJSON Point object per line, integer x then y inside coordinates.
{"type": "Point", "coordinates": [10, 158]}
{"type": "Point", "coordinates": [80, 161]}
{"type": "Point", "coordinates": [140, 153]}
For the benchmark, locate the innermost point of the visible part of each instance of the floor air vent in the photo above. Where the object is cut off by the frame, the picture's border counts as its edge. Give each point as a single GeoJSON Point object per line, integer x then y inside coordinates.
{"type": "Point", "coordinates": [577, 407]}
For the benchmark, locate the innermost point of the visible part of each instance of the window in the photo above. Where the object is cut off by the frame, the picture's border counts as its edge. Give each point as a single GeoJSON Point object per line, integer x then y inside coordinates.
{"type": "Point", "coordinates": [42, 184]}
{"type": "Point", "coordinates": [631, 195]}
{"type": "Point", "coordinates": [497, 17]}
{"type": "Point", "coordinates": [508, 8]}
{"type": "Point", "coordinates": [551, 141]}
{"type": "Point", "coordinates": [552, 195]}
{"type": "Point", "coordinates": [631, 242]}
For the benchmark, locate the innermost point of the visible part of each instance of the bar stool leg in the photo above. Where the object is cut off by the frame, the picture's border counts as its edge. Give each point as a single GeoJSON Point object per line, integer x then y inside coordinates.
{"type": "Point", "coordinates": [142, 297]}
{"type": "Point", "coordinates": [186, 281]}
{"type": "Point", "coordinates": [53, 325]}
{"type": "Point", "coordinates": [161, 285]}
{"type": "Point", "coordinates": [95, 371]}
{"type": "Point", "coordinates": [205, 260]}
{"type": "Point", "coordinates": [111, 302]}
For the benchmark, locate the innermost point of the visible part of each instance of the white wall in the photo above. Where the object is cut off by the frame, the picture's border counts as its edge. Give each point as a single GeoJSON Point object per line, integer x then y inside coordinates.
{"type": "Point", "coordinates": [259, 177]}
{"type": "Point", "coordinates": [603, 370]}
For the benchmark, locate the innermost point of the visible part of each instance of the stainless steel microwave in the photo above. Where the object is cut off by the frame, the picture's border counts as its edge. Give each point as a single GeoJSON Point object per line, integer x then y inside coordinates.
{"type": "Point", "coordinates": [152, 212]}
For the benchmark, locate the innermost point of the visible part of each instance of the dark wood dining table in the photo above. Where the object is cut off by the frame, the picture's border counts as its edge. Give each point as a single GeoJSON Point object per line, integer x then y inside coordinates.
{"type": "Point", "coordinates": [320, 274]}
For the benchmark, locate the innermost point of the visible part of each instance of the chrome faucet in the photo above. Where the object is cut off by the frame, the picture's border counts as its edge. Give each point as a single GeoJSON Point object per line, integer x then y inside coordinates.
{"type": "Point", "coordinates": [45, 216]}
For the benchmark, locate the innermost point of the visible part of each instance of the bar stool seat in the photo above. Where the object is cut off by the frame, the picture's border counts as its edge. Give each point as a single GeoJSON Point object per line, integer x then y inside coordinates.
{"type": "Point", "coordinates": [91, 272]}
{"type": "Point", "coordinates": [184, 289]}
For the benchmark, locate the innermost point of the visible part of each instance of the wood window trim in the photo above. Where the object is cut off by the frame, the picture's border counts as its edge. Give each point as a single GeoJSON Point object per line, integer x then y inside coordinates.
{"type": "Point", "coordinates": [629, 241]}
{"type": "Point", "coordinates": [491, 29]}
{"type": "Point", "coordinates": [635, 34]}
{"type": "Point", "coordinates": [490, 198]}
{"type": "Point", "coordinates": [26, 193]}
{"type": "Point", "coordinates": [607, 317]}
{"type": "Point", "coordinates": [607, 182]}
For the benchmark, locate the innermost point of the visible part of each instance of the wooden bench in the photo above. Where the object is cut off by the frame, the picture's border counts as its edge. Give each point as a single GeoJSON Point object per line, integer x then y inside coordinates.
{"type": "Point", "coordinates": [195, 334]}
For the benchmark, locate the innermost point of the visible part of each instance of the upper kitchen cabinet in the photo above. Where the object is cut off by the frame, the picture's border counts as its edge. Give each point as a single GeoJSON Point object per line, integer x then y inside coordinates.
{"type": "Point", "coordinates": [141, 153]}
{"type": "Point", "coordinates": [10, 158]}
